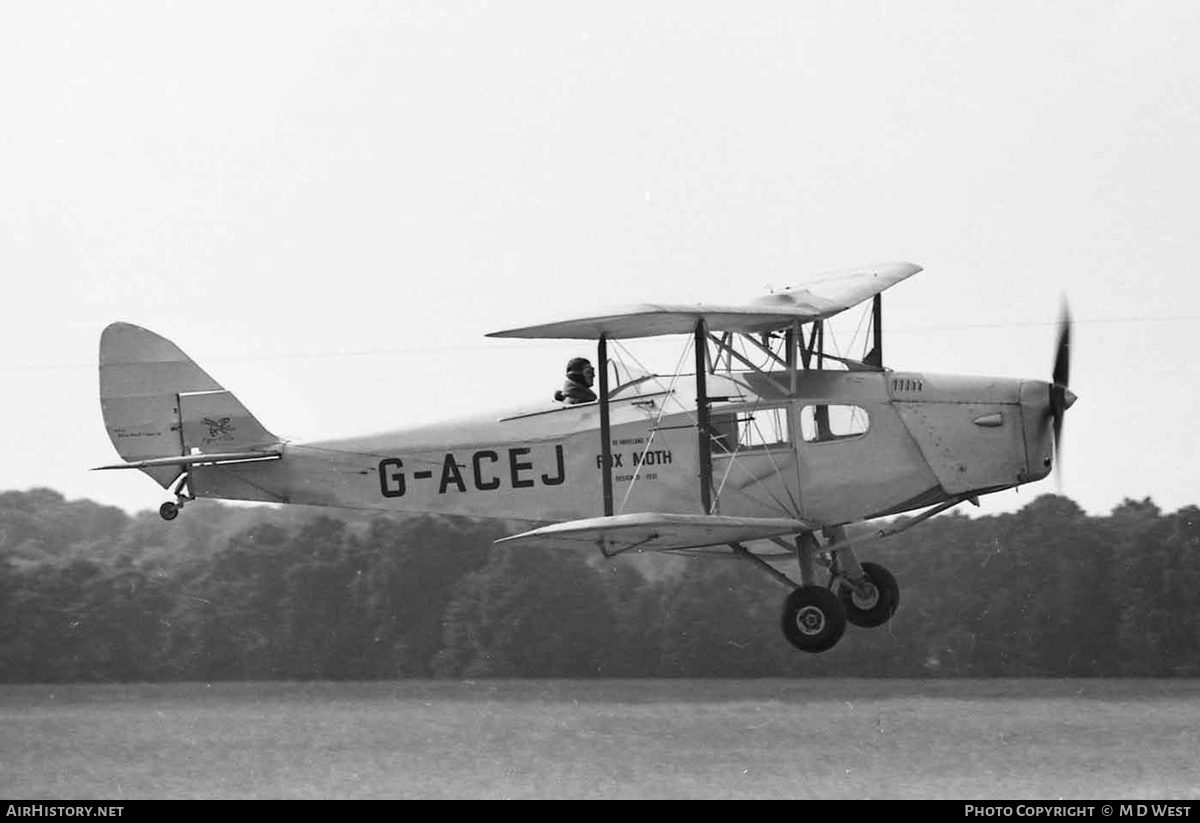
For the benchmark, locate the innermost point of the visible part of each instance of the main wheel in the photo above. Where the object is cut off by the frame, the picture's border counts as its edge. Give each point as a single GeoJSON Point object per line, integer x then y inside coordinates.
{"type": "Point", "coordinates": [877, 607]}
{"type": "Point", "coordinates": [813, 619]}
{"type": "Point", "coordinates": [168, 511]}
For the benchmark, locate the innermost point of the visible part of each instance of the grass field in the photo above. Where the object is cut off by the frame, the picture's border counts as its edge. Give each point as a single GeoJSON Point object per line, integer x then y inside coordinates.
{"type": "Point", "coordinates": [1015, 739]}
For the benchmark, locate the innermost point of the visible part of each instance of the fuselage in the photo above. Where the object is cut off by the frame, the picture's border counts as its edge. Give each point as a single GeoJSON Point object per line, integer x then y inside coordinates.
{"type": "Point", "coordinates": [828, 447]}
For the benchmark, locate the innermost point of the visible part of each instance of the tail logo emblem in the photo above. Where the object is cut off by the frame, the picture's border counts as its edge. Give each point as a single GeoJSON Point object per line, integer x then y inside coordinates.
{"type": "Point", "coordinates": [219, 428]}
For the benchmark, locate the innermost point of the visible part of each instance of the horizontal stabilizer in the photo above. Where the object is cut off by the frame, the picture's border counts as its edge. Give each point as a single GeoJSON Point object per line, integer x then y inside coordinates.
{"type": "Point", "coordinates": [655, 532]}
{"type": "Point", "coordinates": [816, 299]}
{"type": "Point", "coordinates": [196, 459]}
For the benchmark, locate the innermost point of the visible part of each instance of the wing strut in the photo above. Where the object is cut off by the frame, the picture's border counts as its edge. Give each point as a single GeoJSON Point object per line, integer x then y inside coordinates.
{"type": "Point", "coordinates": [875, 356]}
{"type": "Point", "coordinates": [702, 424]}
{"type": "Point", "coordinates": [605, 434]}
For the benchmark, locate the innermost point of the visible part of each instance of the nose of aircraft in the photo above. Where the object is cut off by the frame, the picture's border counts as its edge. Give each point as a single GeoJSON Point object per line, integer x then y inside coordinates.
{"type": "Point", "coordinates": [1043, 404]}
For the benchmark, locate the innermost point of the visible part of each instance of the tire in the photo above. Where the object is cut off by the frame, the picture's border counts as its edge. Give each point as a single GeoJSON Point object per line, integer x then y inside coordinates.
{"type": "Point", "coordinates": [877, 610]}
{"type": "Point", "coordinates": [168, 511]}
{"type": "Point", "coordinates": [813, 619]}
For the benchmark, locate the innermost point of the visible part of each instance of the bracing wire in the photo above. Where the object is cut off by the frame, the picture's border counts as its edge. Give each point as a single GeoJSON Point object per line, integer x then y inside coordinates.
{"type": "Point", "coordinates": [657, 420]}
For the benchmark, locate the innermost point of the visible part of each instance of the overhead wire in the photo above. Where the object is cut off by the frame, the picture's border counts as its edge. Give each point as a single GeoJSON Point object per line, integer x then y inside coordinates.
{"type": "Point", "coordinates": [532, 345]}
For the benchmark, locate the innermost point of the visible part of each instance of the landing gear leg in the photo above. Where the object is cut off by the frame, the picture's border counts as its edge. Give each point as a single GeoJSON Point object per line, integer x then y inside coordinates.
{"type": "Point", "coordinates": [806, 557]}
{"type": "Point", "coordinates": [183, 493]}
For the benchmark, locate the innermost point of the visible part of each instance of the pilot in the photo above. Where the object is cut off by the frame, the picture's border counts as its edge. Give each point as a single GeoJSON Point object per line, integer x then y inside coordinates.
{"type": "Point", "coordinates": [578, 388]}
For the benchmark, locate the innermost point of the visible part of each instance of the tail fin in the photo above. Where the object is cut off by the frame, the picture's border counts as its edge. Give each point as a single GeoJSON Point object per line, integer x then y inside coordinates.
{"type": "Point", "coordinates": [158, 404]}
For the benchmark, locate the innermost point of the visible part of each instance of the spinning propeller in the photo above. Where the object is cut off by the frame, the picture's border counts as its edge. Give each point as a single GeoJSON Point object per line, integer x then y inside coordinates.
{"type": "Point", "coordinates": [1061, 397]}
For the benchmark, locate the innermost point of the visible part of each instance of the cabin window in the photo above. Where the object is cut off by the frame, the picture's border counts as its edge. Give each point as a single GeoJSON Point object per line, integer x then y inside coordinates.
{"type": "Point", "coordinates": [763, 427]}
{"type": "Point", "coordinates": [822, 424]}
{"type": "Point", "coordinates": [749, 429]}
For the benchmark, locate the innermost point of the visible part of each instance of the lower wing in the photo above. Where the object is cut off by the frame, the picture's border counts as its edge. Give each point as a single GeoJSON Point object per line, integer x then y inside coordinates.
{"type": "Point", "coordinates": [656, 532]}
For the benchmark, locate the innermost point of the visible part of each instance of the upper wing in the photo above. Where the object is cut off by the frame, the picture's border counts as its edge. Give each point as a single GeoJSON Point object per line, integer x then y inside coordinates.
{"type": "Point", "coordinates": [656, 532]}
{"type": "Point", "coordinates": [815, 300]}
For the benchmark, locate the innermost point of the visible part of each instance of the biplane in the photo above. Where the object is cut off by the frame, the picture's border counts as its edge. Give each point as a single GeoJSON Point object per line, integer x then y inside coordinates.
{"type": "Point", "coordinates": [763, 445]}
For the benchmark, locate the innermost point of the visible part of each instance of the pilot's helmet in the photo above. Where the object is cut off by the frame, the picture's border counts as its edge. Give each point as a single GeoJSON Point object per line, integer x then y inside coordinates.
{"type": "Point", "coordinates": [577, 365]}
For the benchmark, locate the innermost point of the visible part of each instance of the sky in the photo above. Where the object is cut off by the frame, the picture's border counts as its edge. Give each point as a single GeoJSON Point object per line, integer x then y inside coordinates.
{"type": "Point", "coordinates": [328, 205]}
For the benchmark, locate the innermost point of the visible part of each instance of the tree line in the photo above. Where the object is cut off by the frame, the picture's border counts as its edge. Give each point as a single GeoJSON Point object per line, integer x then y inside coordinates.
{"type": "Point", "coordinates": [90, 593]}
